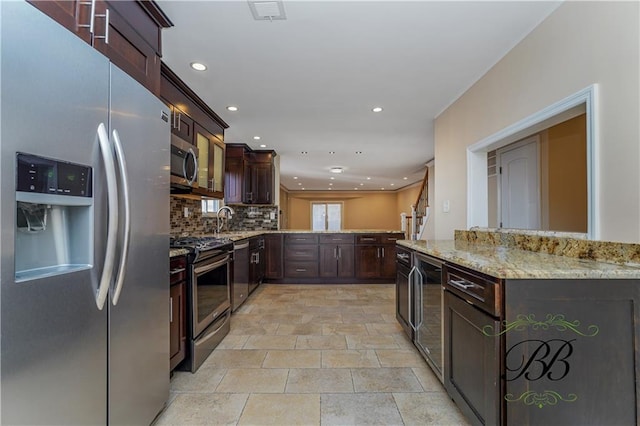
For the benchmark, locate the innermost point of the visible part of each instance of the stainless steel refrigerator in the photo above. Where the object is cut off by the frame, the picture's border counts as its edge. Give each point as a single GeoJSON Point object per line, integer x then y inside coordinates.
{"type": "Point", "coordinates": [84, 214]}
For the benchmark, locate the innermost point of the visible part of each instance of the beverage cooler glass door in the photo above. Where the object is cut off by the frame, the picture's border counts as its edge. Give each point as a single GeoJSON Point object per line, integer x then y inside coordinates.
{"type": "Point", "coordinates": [428, 335]}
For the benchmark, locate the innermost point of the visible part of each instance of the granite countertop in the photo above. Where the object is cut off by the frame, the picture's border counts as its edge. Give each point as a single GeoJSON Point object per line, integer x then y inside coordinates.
{"type": "Point", "coordinates": [512, 263]}
{"type": "Point", "coordinates": [241, 235]}
{"type": "Point", "coordinates": [173, 252]}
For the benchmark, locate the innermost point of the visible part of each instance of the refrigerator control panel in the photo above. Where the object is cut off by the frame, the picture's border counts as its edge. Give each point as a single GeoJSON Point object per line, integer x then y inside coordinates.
{"type": "Point", "coordinates": [49, 176]}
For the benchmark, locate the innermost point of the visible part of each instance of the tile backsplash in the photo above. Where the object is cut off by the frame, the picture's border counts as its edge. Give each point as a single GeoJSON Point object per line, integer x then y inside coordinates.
{"type": "Point", "coordinates": [246, 218]}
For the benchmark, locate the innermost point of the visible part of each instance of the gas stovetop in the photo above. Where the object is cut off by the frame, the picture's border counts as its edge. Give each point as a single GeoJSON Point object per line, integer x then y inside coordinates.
{"type": "Point", "coordinates": [201, 245]}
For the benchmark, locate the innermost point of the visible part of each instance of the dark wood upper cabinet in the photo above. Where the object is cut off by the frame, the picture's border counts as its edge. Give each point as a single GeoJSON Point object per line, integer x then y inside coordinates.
{"type": "Point", "coordinates": [127, 32]}
{"type": "Point", "coordinates": [249, 175]}
{"type": "Point", "coordinates": [194, 121]}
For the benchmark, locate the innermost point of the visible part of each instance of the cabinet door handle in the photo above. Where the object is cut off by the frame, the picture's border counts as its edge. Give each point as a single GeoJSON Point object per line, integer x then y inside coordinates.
{"type": "Point", "coordinates": [268, 196]}
{"type": "Point", "coordinates": [179, 117]}
{"type": "Point", "coordinates": [91, 3]}
{"type": "Point", "coordinates": [382, 251]}
{"type": "Point", "coordinates": [367, 239]}
{"type": "Point", "coordinates": [105, 37]}
{"type": "Point", "coordinates": [339, 252]}
{"type": "Point", "coordinates": [335, 252]}
{"type": "Point", "coordinates": [170, 309]}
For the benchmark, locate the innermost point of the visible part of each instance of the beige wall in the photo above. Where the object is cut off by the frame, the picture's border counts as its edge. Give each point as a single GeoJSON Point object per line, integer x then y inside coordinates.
{"type": "Point", "coordinates": [362, 210]}
{"type": "Point", "coordinates": [580, 44]}
{"type": "Point", "coordinates": [567, 175]}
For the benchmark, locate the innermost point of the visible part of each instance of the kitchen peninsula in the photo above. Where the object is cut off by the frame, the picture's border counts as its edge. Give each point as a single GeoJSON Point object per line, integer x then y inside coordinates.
{"type": "Point", "coordinates": [530, 337]}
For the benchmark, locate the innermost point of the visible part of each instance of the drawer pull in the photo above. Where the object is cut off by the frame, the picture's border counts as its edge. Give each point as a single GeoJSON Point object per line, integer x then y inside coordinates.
{"type": "Point", "coordinates": [465, 285]}
{"type": "Point", "coordinates": [177, 271]}
{"type": "Point", "coordinates": [368, 239]}
{"type": "Point", "coordinates": [301, 270]}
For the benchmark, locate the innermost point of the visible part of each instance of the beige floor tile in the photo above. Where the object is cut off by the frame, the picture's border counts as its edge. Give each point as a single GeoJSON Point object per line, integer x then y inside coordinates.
{"type": "Point", "coordinates": [285, 409]}
{"type": "Point", "coordinates": [384, 328]}
{"type": "Point", "coordinates": [359, 409]}
{"type": "Point", "coordinates": [384, 380]}
{"type": "Point", "coordinates": [203, 409]}
{"type": "Point", "coordinates": [292, 359]}
{"type": "Point", "coordinates": [282, 318]}
{"type": "Point", "coordinates": [429, 408]}
{"type": "Point", "coordinates": [331, 318]}
{"type": "Point", "coordinates": [380, 309]}
{"type": "Point", "coordinates": [344, 329]}
{"type": "Point", "coordinates": [350, 359]}
{"type": "Point", "coordinates": [252, 328]}
{"type": "Point", "coordinates": [321, 342]}
{"type": "Point", "coordinates": [371, 342]}
{"type": "Point", "coordinates": [319, 380]}
{"type": "Point", "coordinates": [233, 341]}
{"type": "Point", "coordinates": [252, 380]}
{"type": "Point", "coordinates": [299, 329]}
{"type": "Point", "coordinates": [271, 342]}
{"type": "Point", "coordinates": [400, 358]}
{"type": "Point", "coordinates": [206, 379]}
{"type": "Point", "coordinates": [355, 318]}
{"type": "Point", "coordinates": [279, 368]}
{"type": "Point", "coordinates": [428, 379]}
{"type": "Point", "coordinates": [235, 358]}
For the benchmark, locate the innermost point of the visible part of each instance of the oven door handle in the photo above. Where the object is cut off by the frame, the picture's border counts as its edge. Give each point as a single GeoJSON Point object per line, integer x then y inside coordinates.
{"type": "Point", "coordinates": [212, 266]}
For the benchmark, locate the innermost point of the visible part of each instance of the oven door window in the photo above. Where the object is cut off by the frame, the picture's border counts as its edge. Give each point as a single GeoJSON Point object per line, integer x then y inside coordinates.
{"type": "Point", "coordinates": [212, 292]}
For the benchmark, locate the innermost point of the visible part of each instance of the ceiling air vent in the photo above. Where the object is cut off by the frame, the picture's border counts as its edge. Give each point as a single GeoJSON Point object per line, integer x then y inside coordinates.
{"type": "Point", "coordinates": [267, 10]}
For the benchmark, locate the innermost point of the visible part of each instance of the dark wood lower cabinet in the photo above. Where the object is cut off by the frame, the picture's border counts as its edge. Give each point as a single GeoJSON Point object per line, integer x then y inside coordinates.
{"type": "Point", "coordinates": [472, 361]}
{"type": "Point", "coordinates": [274, 267]}
{"type": "Point", "coordinates": [177, 325]}
{"type": "Point", "coordinates": [337, 260]}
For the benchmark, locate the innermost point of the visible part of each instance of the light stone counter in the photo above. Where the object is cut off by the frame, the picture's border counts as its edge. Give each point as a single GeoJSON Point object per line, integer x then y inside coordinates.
{"type": "Point", "coordinates": [512, 263]}
{"type": "Point", "coordinates": [241, 235]}
{"type": "Point", "coordinates": [173, 252]}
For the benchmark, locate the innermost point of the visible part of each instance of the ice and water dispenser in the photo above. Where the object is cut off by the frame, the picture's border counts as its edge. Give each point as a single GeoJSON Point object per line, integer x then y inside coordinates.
{"type": "Point", "coordinates": [54, 217]}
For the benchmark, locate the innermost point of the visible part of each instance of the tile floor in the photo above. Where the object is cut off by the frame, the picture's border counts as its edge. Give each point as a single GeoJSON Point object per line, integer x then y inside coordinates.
{"type": "Point", "coordinates": [313, 355]}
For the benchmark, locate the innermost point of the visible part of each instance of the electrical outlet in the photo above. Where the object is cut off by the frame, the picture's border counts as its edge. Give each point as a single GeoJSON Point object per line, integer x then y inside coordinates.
{"type": "Point", "coordinates": [186, 212]}
{"type": "Point", "coordinates": [446, 206]}
{"type": "Point", "coordinates": [273, 215]}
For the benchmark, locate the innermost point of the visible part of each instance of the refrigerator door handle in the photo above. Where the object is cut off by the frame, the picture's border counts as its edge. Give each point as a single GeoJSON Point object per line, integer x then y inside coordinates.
{"type": "Point", "coordinates": [112, 228]}
{"type": "Point", "coordinates": [126, 227]}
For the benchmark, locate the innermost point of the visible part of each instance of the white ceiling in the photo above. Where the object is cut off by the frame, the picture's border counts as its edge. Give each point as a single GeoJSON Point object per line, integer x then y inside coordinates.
{"type": "Point", "coordinates": [308, 83]}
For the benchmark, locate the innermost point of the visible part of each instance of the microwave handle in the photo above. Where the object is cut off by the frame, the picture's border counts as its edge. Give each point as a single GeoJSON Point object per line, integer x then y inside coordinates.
{"type": "Point", "coordinates": [184, 167]}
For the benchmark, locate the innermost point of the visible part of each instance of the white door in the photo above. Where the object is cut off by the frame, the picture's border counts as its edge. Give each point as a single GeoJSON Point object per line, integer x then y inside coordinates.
{"type": "Point", "coordinates": [519, 185]}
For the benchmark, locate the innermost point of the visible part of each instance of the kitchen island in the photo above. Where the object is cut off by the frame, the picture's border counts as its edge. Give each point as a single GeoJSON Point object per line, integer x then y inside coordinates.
{"type": "Point", "coordinates": [535, 338]}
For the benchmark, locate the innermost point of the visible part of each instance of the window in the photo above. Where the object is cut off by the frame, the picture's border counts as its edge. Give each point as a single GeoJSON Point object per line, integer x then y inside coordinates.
{"type": "Point", "coordinates": [326, 216]}
{"type": "Point", "coordinates": [210, 207]}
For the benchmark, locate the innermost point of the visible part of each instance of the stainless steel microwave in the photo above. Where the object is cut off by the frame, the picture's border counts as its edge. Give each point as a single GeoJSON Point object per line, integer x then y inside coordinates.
{"type": "Point", "coordinates": [184, 163]}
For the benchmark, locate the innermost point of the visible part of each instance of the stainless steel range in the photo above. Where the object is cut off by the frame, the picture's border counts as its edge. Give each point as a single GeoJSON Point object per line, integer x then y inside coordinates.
{"type": "Point", "coordinates": [208, 295]}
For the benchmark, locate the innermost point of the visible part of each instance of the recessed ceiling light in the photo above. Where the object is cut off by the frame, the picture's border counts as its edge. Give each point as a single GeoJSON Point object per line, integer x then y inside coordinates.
{"type": "Point", "coordinates": [299, 183]}
{"type": "Point", "coordinates": [336, 170]}
{"type": "Point", "coordinates": [232, 108]}
{"type": "Point", "coordinates": [382, 189]}
{"type": "Point", "coordinates": [330, 184]}
{"type": "Point", "coordinates": [295, 177]}
{"type": "Point", "coordinates": [368, 178]}
{"type": "Point", "coordinates": [391, 184]}
{"type": "Point", "coordinates": [263, 146]}
{"type": "Point", "coordinates": [377, 109]}
{"type": "Point", "coordinates": [362, 184]}
{"type": "Point", "coordinates": [405, 178]}
{"type": "Point", "coordinates": [332, 178]}
{"type": "Point", "coordinates": [256, 138]}
{"type": "Point", "coordinates": [198, 66]}
{"type": "Point", "coordinates": [355, 189]}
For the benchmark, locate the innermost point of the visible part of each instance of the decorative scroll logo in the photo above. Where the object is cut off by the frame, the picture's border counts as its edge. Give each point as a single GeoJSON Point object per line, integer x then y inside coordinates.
{"type": "Point", "coordinates": [541, 399]}
{"type": "Point", "coordinates": [546, 359]}
{"type": "Point", "coordinates": [558, 321]}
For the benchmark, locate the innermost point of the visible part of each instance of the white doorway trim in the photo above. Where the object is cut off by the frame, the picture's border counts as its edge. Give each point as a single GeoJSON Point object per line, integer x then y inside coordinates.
{"type": "Point", "coordinates": [586, 100]}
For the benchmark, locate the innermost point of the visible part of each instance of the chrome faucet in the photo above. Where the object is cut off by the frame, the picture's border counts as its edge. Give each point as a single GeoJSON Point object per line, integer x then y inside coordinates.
{"type": "Point", "coordinates": [219, 223]}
